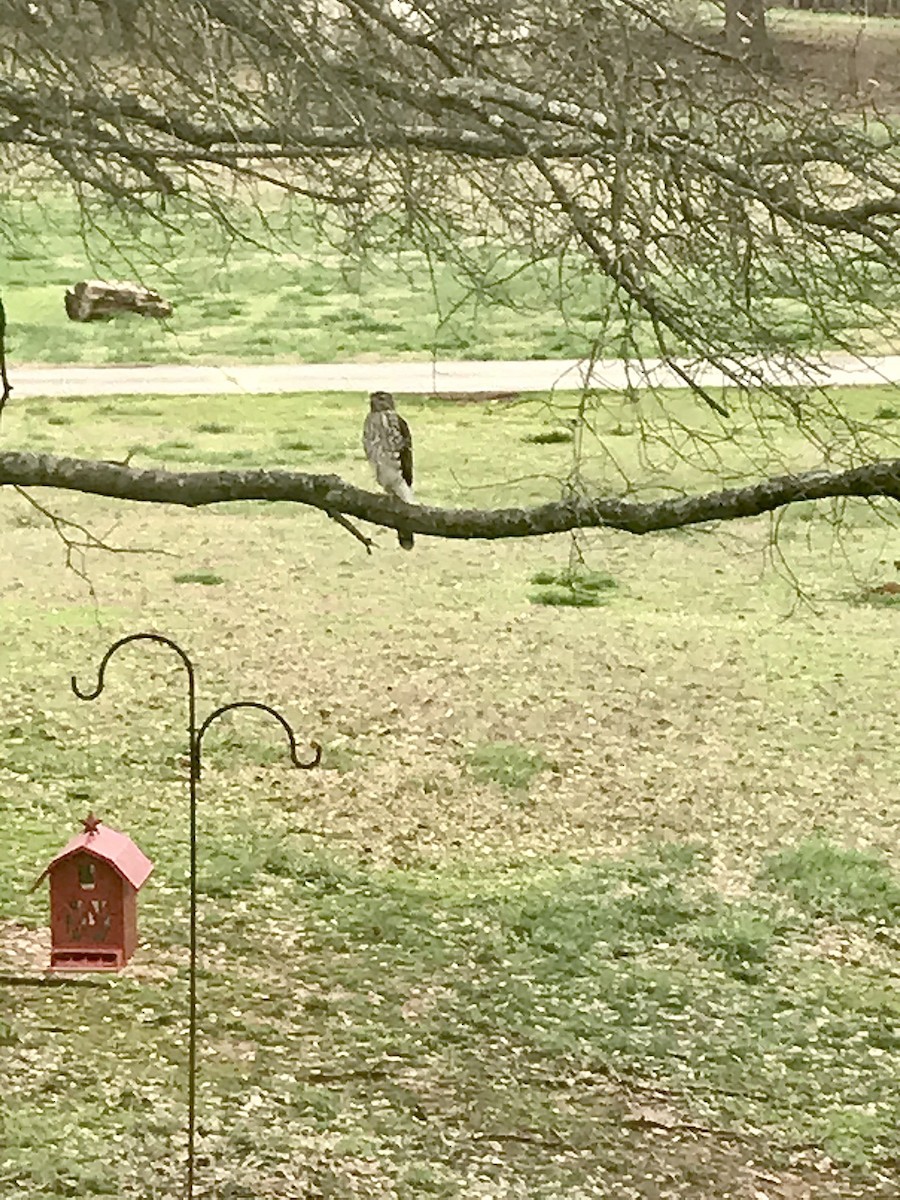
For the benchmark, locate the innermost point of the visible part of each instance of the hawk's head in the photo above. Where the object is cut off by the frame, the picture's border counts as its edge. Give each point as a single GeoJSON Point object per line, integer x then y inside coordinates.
{"type": "Point", "coordinates": [381, 402]}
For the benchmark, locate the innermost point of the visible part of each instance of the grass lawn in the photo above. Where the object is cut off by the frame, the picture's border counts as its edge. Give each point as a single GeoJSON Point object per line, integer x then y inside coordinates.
{"type": "Point", "coordinates": [584, 902]}
{"type": "Point", "coordinates": [848, 58]}
{"type": "Point", "coordinates": [290, 295]}
{"type": "Point", "coordinates": [237, 301]}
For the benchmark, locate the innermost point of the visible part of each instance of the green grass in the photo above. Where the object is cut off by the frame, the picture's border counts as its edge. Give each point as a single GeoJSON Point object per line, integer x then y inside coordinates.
{"type": "Point", "coordinates": [507, 764]}
{"type": "Point", "coordinates": [838, 883]}
{"type": "Point", "coordinates": [877, 597]}
{"type": "Point", "coordinates": [208, 578]}
{"type": "Point", "coordinates": [548, 437]}
{"type": "Point", "coordinates": [237, 301]}
{"type": "Point", "coordinates": [214, 427]}
{"type": "Point", "coordinates": [823, 24]}
{"type": "Point", "coordinates": [581, 903]}
{"type": "Point", "coordinates": [287, 294]}
{"type": "Point", "coordinates": [579, 588]}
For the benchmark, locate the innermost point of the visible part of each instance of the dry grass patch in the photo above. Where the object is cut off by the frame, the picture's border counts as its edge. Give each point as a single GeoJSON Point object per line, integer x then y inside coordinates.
{"type": "Point", "coordinates": [557, 882]}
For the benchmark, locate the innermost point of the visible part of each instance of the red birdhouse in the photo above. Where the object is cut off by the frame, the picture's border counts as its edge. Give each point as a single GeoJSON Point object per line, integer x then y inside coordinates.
{"type": "Point", "coordinates": [94, 881]}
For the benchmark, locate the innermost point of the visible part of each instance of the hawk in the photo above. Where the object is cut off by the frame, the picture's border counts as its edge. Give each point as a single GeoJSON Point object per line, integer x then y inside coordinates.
{"type": "Point", "coordinates": [388, 445]}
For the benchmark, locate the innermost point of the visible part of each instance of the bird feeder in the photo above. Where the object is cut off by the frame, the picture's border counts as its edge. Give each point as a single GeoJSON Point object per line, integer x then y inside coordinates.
{"type": "Point", "coordinates": [94, 881]}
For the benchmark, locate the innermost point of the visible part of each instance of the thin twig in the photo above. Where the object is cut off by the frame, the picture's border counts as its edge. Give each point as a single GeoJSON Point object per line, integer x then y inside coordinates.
{"type": "Point", "coordinates": [677, 1126]}
{"type": "Point", "coordinates": [120, 462]}
{"type": "Point", "coordinates": [78, 539]}
{"type": "Point", "coordinates": [341, 520]}
{"type": "Point", "coordinates": [525, 1136]}
{"type": "Point", "coordinates": [5, 386]}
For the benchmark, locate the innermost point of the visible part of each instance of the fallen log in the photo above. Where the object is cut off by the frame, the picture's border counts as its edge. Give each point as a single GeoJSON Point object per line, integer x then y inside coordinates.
{"type": "Point", "coordinates": [98, 300]}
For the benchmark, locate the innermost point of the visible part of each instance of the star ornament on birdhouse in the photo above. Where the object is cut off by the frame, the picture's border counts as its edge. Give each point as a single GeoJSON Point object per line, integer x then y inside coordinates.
{"type": "Point", "coordinates": [94, 882]}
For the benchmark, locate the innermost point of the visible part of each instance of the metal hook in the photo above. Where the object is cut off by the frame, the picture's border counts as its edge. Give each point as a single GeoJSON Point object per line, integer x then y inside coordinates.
{"type": "Point", "coordinates": [292, 741]}
{"type": "Point", "coordinates": [132, 637]}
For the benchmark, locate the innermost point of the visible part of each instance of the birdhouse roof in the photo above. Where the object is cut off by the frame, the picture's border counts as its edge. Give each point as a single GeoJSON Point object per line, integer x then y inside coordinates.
{"type": "Point", "coordinates": [111, 847]}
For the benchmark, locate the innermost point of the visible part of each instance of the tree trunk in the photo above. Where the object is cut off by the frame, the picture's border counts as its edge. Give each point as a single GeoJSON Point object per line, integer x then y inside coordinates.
{"type": "Point", "coordinates": [95, 300]}
{"type": "Point", "coordinates": [746, 33]}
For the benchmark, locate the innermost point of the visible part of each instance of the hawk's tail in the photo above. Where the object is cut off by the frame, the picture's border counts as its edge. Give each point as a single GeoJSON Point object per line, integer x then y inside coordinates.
{"type": "Point", "coordinates": [406, 540]}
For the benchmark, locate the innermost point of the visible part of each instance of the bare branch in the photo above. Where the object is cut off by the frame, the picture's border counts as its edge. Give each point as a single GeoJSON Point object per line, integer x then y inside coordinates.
{"type": "Point", "coordinates": [341, 520]}
{"type": "Point", "coordinates": [606, 142]}
{"type": "Point", "coordinates": [77, 539]}
{"type": "Point", "coordinates": [5, 387]}
{"type": "Point", "coordinates": [332, 495]}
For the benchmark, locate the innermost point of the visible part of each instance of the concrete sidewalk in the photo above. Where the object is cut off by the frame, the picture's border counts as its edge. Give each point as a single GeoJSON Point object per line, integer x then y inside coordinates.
{"type": "Point", "coordinates": [421, 378]}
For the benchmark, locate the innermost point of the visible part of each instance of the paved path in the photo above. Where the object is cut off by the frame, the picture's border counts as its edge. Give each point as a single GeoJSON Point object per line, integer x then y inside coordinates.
{"type": "Point", "coordinates": [408, 377]}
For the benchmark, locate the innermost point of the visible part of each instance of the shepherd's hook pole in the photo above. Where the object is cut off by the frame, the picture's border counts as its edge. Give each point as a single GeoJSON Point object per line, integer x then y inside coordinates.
{"type": "Point", "coordinates": [195, 745]}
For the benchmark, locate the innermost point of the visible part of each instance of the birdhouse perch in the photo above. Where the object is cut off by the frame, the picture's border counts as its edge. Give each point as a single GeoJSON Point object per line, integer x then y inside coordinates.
{"type": "Point", "coordinates": [94, 881]}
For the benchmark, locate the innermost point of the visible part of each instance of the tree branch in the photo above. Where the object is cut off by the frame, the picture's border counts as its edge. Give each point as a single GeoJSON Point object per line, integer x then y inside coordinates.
{"type": "Point", "coordinates": [332, 495]}
{"type": "Point", "coordinates": [77, 539]}
{"type": "Point", "coordinates": [5, 386]}
{"type": "Point", "coordinates": [565, 139]}
{"type": "Point", "coordinates": [341, 520]}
